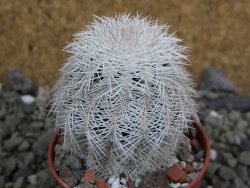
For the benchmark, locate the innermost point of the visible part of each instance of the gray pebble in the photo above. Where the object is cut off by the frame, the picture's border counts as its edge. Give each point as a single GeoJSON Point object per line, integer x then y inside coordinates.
{"type": "Point", "coordinates": [234, 116]}
{"type": "Point", "coordinates": [19, 183]}
{"type": "Point", "coordinates": [247, 116]}
{"type": "Point", "coordinates": [24, 146]}
{"type": "Point", "coordinates": [239, 183]}
{"type": "Point", "coordinates": [32, 179]}
{"type": "Point", "coordinates": [2, 181]}
{"type": "Point", "coordinates": [244, 158]}
{"type": "Point", "coordinates": [185, 150]}
{"type": "Point", "coordinates": [226, 173]}
{"type": "Point", "coordinates": [242, 172]}
{"type": "Point", "coordinates": [9, 185]}
{"type": "Point", "coordinates": [3, 108]}
{"type": "Point", "coordinates": [37, 125]}
{"type": "Point", "coordinates": [229, 159]}
{"type": "Point", "coordinates": [10, 163]}
{"type": "Point", "coordinates": [212, 169]}
{"type": "Point", "coordinates": [242, 124]}
{"type": "Point", "coordinates": [191, 176]}
{"type": "Point", "coordinates": [86, 185]}
{"type": "Point", "coordinates": [29, 158]}
{"type": "Point", "coordinates": [13, 142]}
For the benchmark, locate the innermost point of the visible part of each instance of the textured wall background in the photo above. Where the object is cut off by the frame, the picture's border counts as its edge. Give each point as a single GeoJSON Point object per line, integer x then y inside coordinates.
{"type": "Point", "coordinates": [33, 33]}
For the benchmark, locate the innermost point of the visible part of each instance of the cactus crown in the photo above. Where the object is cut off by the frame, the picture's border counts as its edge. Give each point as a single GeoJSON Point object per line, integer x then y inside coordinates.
{"type": "Point", "coordinates": [124, 99]}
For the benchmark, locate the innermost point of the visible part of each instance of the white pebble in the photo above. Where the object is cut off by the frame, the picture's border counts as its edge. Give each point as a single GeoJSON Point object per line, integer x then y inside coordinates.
{"type": "Point", "coordinates": [214, 114]}
{"type": "Point", "coordinates": [123, 181]}
{"type": "Point", "coordinates": [27, 99]}
{"type": "Point", "coordinates": [184, 185]}
{"type": "Point", "coordinates": [111, 180]}
{"type": "Point", "coordinates": [183, 164]}
{"type": "Point", "coordinates": [213, 154]}
{"type": "Point", "coordinates": [116, 184]}
{"type": "Point", "coordinates": [174, 185]}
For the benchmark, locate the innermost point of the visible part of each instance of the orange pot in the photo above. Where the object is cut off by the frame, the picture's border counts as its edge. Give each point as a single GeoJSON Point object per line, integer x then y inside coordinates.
{"type": "Point", "coordinates": [195, 183]}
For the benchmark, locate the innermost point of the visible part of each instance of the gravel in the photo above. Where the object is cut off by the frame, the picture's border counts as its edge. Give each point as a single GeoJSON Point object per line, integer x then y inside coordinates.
{"type": "Point", "coordinates": [25, 131]}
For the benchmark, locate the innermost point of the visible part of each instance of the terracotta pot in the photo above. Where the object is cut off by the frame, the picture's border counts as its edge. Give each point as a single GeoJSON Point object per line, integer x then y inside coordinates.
{"type": "Point", "coordinates": [195, 183]}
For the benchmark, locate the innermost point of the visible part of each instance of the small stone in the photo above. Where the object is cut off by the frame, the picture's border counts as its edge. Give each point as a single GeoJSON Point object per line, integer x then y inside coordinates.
{"type": "Point", "coordinates": [230, 137]}
{"type": "Point", "coordinates": [19, 81]}
{"type": "Point", "coordinates": [111, 180]}
{"type": "Point", "coordinates": [242, 172]}
{"type": "Point", "coordinates": [154, 179]}
{"type": "Point", "coordinates": [67, 176]}
{"type": "Point", "coordinates": [199, 155]}
{"type": "Point", "coordinates": [189, 168]}
{"type": "Point", "coordinates": [184, 185]}
{"type": "Point", "coordinates": [27, 99]}
{"type": "Point", "coordinates": [183, 164]}
{"type": "Point", "coordinates": [195, 144]}
{"type": "Point", "coordinates": [226, 173]}
{"type": "Point", "coordinates": [19, 183]}
{"type": "Point", "coordinates": [213, 154]}
{"type": "Point", "coordinates": [40, 147]}
{"type": "Point", "coordinates": [2, 181]}
{"type": "Point", "coordinates": [9, 185]}
{"type": "Point", "coordinates": [24, 146]}
{"type": "Point", "coordinates": [123, 181]}
{"type": "Point", "coordinates": [229, 159]}
{"type": "Point", "coordinates": [234, 116]}
{"type": "Point", "coordinates": [176, 174]}
{"type": "Point", "coordinates": [247, 116]}
{"type": "Point", "coordinates": [10, 163]}
{"type": "Point", "coordinates": [184, 151]}
{"type": "Point", "coordinates": [13, 142]}
{"type": "Point", "coordinates": [239, 183]}
{"type": "Point", "coordinates": [89, 177]}
{"type": "Point", "coordinates": [73, 161]}
{"type": "Point", "coordinates": [244, 158]}
{"type": "Point", "coordinates": [86, 185]}
{"type": "Point", "coordinates": [32, 179]}
{"type": "Point", "coordinates": [116, 184]}
{"type": "Point", "coordinates": [242, 124]}
{"type": "Point", "coordinates": [3, 108]}
{"type": "Point", "coordinates": [191, 176]}
{"type": "Point", "coordinates": [175, 185]}
{"type": "Point", "coordinates": [37, 125]}
{"type": "Point", "coordinates": [102, 184]}
{"type": "Point", "coordinates": [190, 158]}
{"type": "Point", "coordinates": [29, 158]}
{"type": "Point", "coordinates": [212, 169]}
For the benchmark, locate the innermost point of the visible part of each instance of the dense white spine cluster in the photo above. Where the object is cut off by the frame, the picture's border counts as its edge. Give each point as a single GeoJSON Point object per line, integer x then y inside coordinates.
{"type": "Point", "coordinates": [123, 99]}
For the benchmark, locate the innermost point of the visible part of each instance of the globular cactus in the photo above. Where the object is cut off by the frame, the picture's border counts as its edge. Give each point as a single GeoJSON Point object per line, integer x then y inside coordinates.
{"type": "Point", "coordinates": [124, 100]}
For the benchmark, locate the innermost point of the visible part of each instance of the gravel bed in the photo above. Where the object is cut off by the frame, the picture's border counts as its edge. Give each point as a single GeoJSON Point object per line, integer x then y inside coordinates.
{"type": "Point", "coordinates": [25, 131]}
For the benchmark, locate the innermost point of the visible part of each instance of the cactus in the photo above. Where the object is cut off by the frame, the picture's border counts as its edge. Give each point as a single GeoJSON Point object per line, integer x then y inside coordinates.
{"type": "Point", "coordinates": [124, 99]}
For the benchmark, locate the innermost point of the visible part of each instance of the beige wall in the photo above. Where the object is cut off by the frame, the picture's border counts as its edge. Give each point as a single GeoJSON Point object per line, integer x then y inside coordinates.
{"type": "Point", "coordinates": [33, 33]}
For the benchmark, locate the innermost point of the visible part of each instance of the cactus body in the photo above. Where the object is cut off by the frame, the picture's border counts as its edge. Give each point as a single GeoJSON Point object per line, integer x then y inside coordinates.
{"type": "Point", "coordinates": [124, 99]}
